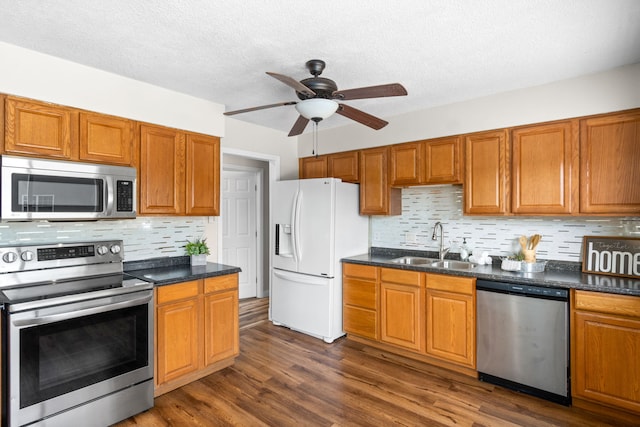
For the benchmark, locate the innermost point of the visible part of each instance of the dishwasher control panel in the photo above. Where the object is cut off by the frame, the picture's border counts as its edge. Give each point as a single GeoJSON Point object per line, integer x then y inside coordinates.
{"type": "Point", "coordinates": [516, 288]}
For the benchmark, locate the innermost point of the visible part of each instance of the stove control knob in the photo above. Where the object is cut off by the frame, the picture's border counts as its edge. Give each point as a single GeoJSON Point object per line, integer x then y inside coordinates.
{"type": "Point", "coordinates": [9, 257]}
{"type": "Point", "coordinates": [115, 249]}
{"type": "Point", "coordinates": [26, 256]}
{"type": "Point", "coordinates": [102, 249]}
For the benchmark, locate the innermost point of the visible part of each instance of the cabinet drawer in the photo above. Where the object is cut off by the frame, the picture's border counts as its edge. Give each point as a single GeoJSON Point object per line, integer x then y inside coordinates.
{"type": "Point", "coordinates": [360, 292]}
{"type": "Point", "coordinates": [213, 284]}
{"type": "Point", "coordinates": [360, 321]}
{"type": "Point", "coordinates": [460, 285]}
{"type": "Point", "coordinates": [177, 292]}
{"type": "Point", "coordinates": [358, 270]}
{"type": "Point", "coordinates": [607, 303]}
{"type": "Point", "coordinates": [412, 278]}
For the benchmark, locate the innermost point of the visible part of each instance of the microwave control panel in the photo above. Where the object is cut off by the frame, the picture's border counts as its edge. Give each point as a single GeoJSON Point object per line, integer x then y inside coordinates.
{"type": "Point", "coordinates": [124, 196]}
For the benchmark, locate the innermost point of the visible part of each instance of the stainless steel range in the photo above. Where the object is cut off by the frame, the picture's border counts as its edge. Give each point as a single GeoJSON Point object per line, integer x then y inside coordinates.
{"type": "Point", "coordinates": [77, 335]}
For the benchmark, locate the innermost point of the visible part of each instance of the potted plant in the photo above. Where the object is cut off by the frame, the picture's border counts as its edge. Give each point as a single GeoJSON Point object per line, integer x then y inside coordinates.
{"type": "Point", "coordinates": [198, 251]}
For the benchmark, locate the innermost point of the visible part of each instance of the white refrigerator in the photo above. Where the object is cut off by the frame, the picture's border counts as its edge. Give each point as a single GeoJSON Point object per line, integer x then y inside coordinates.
{"type": "Point", "coordinates": [316, 223]}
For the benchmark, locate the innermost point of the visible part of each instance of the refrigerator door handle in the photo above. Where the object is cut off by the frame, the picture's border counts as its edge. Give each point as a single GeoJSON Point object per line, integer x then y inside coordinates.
{"type": "Point", "coordinates": [293, 227]}
{"type": "Point", "coordinates": [296, 227]}
{"type": "Point", "coordinates": [301, 278]}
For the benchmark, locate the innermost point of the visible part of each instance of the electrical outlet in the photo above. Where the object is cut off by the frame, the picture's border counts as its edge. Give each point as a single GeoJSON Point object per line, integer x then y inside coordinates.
{"type": "Point", "coordinates": [410, 238]}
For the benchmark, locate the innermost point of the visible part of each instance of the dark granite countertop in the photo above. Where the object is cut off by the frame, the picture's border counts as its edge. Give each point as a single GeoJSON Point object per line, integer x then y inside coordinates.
{"type": "Point", "coordinates": [557, 274]}
{"type": "Point", "coordinates": [166, 271]}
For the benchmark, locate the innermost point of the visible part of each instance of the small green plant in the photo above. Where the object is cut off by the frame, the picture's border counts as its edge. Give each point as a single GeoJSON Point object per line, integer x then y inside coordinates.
{"type": "Point", "coordinates": [197, 247]}
{"type": "Point", "coordinates": [517, 256]}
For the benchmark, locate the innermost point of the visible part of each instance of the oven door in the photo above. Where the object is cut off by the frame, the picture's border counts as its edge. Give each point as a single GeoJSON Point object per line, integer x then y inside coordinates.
{"type": "Point", "coordinates": [68, 355]}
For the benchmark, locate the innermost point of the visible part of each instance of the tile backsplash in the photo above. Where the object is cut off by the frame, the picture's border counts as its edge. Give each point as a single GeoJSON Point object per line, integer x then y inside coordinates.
{"type": "Point", "coordinates": [422, 207]}
{"type": "Point", "coordinates": [143, 237]}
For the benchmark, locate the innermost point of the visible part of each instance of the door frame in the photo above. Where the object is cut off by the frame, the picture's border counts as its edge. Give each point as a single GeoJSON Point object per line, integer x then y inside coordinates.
{"type": "Point", "coordinates": [274, 175]}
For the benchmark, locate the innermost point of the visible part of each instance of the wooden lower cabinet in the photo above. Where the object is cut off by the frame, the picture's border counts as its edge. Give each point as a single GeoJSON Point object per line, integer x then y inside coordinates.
{"type": "Point", "coordinates": [451, 318]}
{"type": "Point", "coordinates": [402, 308]}
{"type": "Point", "coordinates": [196, 330]}
{"type": "Point", "coordinates": [427, 317]}
{"type": "Point", "coordinates": [360, 300]}
{"type": "Point", "coordinates": [605, 344]}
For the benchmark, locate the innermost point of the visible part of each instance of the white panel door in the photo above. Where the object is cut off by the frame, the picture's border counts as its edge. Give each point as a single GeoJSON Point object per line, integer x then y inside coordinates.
{"type": "Point", "coordinates": [239, 228]}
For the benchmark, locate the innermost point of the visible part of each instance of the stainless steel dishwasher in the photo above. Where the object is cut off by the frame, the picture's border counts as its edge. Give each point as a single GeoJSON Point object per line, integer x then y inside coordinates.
{"type": "Point", "coordinates": [522, 338]}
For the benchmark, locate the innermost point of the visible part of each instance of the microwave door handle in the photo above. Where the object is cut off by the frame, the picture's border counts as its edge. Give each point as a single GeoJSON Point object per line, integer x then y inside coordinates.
{"type": "Point", "coordinates": [110, 191]}
{"type": "Point", "coordinates": [80, 313]}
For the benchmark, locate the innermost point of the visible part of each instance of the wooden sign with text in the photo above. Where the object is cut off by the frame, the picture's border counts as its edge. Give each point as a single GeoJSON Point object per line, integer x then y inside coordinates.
{"type": "Point", "coordinates": [615, 256]}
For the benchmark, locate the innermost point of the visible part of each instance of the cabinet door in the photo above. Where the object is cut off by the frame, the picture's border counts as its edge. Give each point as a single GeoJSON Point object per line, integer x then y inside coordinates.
{"type": "Point", "coordinates": [106, 139]}
{"type": "Point", "coordinates": [406, 163]}
{"type": "Point", "coordinates": [605, 361]}
{"type": "Point", "coordinates": [451, 320]}
{"type": "Point", "coordinates": [313, 167]}
{"type": "Point", "coordinates": [451, 327]}
{"type": "Point", "coordinates": [486, 175]}
{"type": "Point", "coordinates": [161, 173]}
{"type": "Point", "coordinates": [401, 308]}
{"type": "Point", "coordinates": [344, 166]}
{"type": "Point", "coordinates": [203, 175]}
{"type": "Point", "coordinates": [376, 197]}
{"type": "Point", "coordinates": [177, 339]}
{"type": "Point", "coordinates": [609, 159]}
{"type": "Point", "coordinates": [40, 129]}
{"type": "Point", "coordinates": [545, 169]}
{"type": "Point", "coordinates": [221, 339]}
{"type": "Point", "coordinates": [443, 161]}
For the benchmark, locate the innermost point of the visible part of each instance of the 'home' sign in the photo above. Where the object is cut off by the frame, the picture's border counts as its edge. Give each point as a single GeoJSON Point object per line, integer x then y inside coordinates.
{"type": "Point", "coordinates": [616, 256]}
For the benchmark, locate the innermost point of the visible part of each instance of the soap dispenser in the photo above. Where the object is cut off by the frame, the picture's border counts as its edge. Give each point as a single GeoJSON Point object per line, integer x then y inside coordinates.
{"type": "Point", "coordinates": [465, 250]}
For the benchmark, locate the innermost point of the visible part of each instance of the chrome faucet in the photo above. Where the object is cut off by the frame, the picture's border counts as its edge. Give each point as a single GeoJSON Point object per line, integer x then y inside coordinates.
{"type": "Point", "coordinates": [442, 252]}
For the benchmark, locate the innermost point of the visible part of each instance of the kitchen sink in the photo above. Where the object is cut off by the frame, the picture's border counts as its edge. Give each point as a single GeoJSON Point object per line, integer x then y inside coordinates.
{"type": "Point", "coordinates": [413, 260]}
{"type": "Point", "coordinates": [455, 265]}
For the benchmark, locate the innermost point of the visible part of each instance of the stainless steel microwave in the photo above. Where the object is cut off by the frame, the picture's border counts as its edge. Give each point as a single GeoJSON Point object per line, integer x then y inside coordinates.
{"type": "Point", "coordinates": [39, 189]}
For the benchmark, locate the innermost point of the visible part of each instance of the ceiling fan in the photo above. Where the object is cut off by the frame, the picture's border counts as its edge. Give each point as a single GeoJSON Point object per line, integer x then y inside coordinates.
{"type": "Point", "coordinates": [319, 99]}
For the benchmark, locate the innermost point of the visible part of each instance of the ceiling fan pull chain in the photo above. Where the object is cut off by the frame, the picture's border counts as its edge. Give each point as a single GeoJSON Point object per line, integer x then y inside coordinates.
{"type": "Point", "coordinates": [315, 139]}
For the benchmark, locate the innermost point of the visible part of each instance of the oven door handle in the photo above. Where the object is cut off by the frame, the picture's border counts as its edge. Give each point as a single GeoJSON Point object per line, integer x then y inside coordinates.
{"type": "Point", "coordinates": [79, 313]}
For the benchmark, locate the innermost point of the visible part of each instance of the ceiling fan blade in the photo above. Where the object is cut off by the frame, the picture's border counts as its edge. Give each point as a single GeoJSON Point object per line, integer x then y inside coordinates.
{"type": "Point", "coordinates": [361, 117]}
{"type": "Point", "coordinates": [262, 107]}
{"type": "Point", "coordinates": [392, 89]}
{"type": "Point", "coordinates": [298, 126]}
{"type": "Point", "coordinates": [291, 82]}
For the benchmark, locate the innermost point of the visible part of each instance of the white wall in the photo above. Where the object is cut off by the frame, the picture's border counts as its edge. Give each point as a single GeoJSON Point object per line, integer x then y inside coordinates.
{"type": "Point", "coordinates": [259, 139]}
{"type": "Point", "coordinates": [47, 78]}
{"type": "Point", "coordinates": [614, 90]}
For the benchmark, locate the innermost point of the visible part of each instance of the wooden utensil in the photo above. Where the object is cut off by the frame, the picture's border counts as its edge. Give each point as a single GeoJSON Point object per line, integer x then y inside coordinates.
{"type": "Point", "coordinates": [535, 239]}
{"type": "Point", "coordinates": [523, 242]}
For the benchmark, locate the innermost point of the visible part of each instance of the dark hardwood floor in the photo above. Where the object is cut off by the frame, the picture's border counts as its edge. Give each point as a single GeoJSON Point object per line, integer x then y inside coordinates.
{"type": "Point", "coordinates": [284, 378]}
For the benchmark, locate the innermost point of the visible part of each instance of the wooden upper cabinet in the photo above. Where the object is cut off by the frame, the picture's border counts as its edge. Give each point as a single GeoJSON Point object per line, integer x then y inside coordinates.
{"type": "Point", "coordinates": [486, 173]}
{"type": "Point", "coordinates": [443, 161]}
{"type": "Point", "coordinates": [609, 159]}
{"type": "Point", "coordinates": [203, 175]}
{"type": "Point", "coordinates": [376, 196]}
{"type": "Point", "coordinates": [344, 166]}
{"type": "Point", "coordinates": [407, 163]}
{"type": "Point", "coordinates": [106, 139]}
{"type": "Point", "coordinates": [544, 168]}
{"type": "Point", "coordinates": [161, 172]}
{"type": "Point", "coordinates": [312, 167]}
{"type": "Point", "coordinates": [40, 129]}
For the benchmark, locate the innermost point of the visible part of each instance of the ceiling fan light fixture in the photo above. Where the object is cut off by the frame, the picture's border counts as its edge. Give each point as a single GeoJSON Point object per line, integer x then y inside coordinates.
{"type": "Point", "coordinates": [316, 108]}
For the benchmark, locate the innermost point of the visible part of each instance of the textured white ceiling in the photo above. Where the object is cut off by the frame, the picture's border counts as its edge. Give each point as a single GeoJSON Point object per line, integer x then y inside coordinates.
{"type": "Point", "coordinates": [442, 51]}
